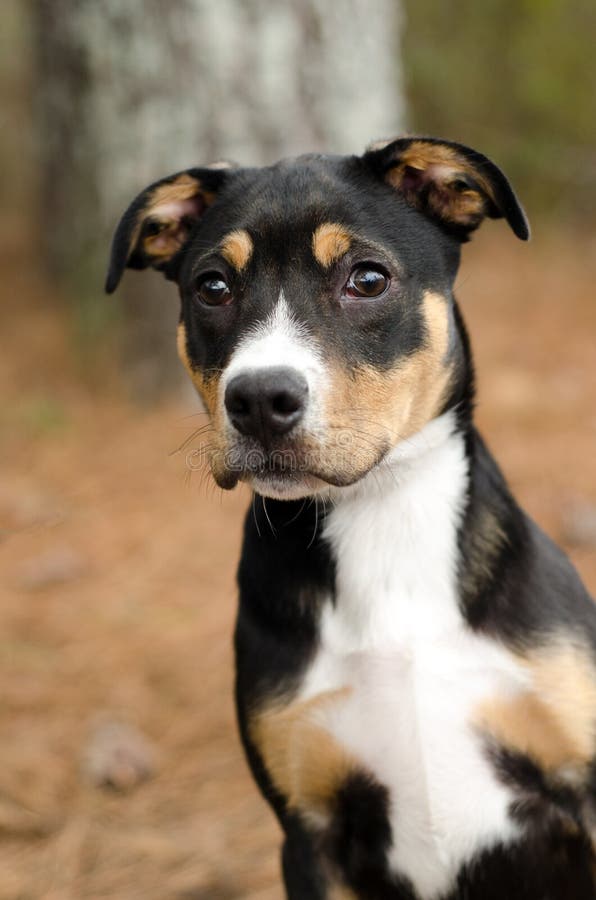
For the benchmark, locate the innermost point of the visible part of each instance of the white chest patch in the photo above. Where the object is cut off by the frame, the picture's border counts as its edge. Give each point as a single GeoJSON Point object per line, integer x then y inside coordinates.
{"type": "Point", "coordinates": [413, 671]}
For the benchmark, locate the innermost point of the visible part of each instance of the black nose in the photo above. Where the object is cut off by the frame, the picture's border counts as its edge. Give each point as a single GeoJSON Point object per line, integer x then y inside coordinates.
{"type": "Point", "coordinates": [266, 402]}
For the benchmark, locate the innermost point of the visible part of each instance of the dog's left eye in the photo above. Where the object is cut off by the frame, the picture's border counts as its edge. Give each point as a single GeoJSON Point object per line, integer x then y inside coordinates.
{"type": "Point", "coordinates": [364, 281]}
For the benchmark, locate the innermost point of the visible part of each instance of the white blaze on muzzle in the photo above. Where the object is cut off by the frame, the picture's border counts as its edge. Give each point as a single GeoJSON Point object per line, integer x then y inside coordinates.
{"type": "Point", "coordinates": [280, 341]}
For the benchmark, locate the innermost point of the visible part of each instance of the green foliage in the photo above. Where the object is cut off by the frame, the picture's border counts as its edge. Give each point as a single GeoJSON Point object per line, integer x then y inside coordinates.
{"type": "Point", "coordinates": [43, 414]}
{"type": "Point", "coordinates": [517, 80]}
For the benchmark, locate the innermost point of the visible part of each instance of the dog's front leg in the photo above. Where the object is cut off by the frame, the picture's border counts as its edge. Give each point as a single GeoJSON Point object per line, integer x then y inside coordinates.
{"type": "Point", "coordinates": [301, 868]}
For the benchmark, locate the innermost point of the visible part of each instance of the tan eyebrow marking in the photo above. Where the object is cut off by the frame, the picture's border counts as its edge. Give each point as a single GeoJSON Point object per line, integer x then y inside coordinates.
{"type": "Point", "coordinates": [237, 248]}
{"type": "Point", "coordinates": [330, 242]}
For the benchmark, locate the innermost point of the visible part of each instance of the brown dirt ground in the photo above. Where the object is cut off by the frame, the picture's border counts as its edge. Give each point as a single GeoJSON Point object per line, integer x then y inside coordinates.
{"type": "Point", "coordinates": [140, 626]}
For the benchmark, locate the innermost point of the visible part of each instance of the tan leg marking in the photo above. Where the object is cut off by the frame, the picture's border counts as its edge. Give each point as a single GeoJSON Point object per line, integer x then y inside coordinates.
{"type": "Point", "coordinates": [304, 761]}
{"type": "Point", "coordinates": [330, 242]}
{"type": "Point", "coordinates": [237, 248]}
{"type": "Point", "coordinates": [554, 721]}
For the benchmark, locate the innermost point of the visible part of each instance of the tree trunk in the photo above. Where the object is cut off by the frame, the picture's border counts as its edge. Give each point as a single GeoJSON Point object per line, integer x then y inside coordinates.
{"type": "Point", "coordinates": [129, 92]}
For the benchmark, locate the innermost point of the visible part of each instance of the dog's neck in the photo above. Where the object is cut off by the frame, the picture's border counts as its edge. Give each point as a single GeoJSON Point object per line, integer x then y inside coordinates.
{"type": "Point", "coordinates": [422, 452]}
{"type": "Point", "coordinates": [394, 537]}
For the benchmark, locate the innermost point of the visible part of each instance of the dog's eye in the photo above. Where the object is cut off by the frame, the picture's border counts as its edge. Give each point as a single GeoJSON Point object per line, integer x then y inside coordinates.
{"type": "Point", "coordinates": [365, 281]}
{"type": "Point", "coordinates": [213, 289]}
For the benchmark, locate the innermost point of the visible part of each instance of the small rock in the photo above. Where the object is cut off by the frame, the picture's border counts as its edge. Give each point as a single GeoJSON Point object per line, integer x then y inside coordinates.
{"type": "Point", "coordinates": [20, 821]}
{"type": "Point", "coordinates": [56, 566]}
{"type": "Point", "coordinates": [578, 524]}
{"type": "Point", "coordinates": [118, 755]}
{"type": "Point", "coordinates": [23, 505]}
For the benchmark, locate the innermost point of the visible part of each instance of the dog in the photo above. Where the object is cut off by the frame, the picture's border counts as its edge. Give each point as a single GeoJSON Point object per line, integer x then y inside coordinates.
{"type": "Point", "coordinates": [415, 659]}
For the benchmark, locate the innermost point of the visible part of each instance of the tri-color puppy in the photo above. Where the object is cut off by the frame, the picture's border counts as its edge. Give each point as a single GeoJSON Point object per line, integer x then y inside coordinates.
{"type": "Point", "coordinates": [416, 661]}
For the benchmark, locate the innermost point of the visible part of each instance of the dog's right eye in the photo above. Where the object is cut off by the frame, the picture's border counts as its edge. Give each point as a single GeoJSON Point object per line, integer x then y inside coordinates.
{"type": "Point", "coordinates": [213, 289]}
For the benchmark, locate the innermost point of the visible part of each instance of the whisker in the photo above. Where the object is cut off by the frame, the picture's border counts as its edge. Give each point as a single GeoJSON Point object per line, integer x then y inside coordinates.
{"type": "Point", "coordinates": [203, 429]}
{"type": "Point", "coordinates": [201, 412]}
{"type": "Point", "coordinates": [294, 517]}
{"type": "Point", "coordinates": [273, 532]}
{"type": "Point", "coordinates": [314, 534]}
{"type": "Point", "coordinates": [254, 514]}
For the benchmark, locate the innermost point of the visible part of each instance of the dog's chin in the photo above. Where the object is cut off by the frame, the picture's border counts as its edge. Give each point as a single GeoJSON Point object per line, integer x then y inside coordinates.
{"type": "Point", "coordinates": [287, 486]}
{"type": "Point", "coordinates": [290, 484]}
{"type": "Point", "coordinates": [277, 484]}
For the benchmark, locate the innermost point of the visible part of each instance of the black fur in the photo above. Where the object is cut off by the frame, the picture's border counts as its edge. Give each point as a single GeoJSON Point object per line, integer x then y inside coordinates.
{"type": "Point", "coordinates": [359, 837]}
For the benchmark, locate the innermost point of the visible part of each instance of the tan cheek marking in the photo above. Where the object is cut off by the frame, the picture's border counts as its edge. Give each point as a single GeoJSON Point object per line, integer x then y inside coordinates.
{"type": "Point", "coordinates": [554, 722]}
{"type": "Point", "coordinates": [181, 347]}
{"type": "Point", "coordinates": [330, 242]}
{"type": "Point", "coordinates": [237, 248]}
{"type": "Point", "coordinates": [418, 386]}
{"type": "Point", "coordinates": [304, 761]}
{"type": "Point", "coordinates": [380, 408]}
{"type": "Point", "coordinates": [207, 387]}
{"type": "Point", "coordinates": [215, 445]}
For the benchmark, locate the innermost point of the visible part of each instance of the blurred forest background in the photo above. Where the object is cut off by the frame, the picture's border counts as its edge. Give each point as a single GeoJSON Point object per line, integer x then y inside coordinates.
{"type": "Point", "coordinates": [120, 771]}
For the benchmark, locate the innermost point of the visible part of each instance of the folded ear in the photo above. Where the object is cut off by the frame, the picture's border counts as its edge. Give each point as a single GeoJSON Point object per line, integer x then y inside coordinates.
{"type": "Point", "coordinates": [449, 182]}
{"type": "Point", "coordinates": [159, 221]}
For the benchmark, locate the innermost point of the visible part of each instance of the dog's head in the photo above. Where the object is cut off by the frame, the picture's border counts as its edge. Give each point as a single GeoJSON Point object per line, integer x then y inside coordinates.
{"type": "Point", "coordinates": [317, 312]}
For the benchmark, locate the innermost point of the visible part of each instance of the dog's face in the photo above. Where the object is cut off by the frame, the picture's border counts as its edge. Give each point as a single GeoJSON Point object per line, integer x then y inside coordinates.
{"type": "Point", "coordinates": [317, 314]}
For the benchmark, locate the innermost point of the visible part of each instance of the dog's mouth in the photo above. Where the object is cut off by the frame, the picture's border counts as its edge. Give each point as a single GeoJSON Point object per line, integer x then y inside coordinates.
{"type": "Point", "coordinates": [284, 471]}
{"type": "Point", "coordinates": [292, 471]}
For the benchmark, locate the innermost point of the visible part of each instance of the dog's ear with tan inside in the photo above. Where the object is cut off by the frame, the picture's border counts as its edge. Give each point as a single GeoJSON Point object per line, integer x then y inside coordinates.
{"type": "Point", "coordinates": [451, 183]}
{"type": "Point", "coordinates": [159, 221]}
